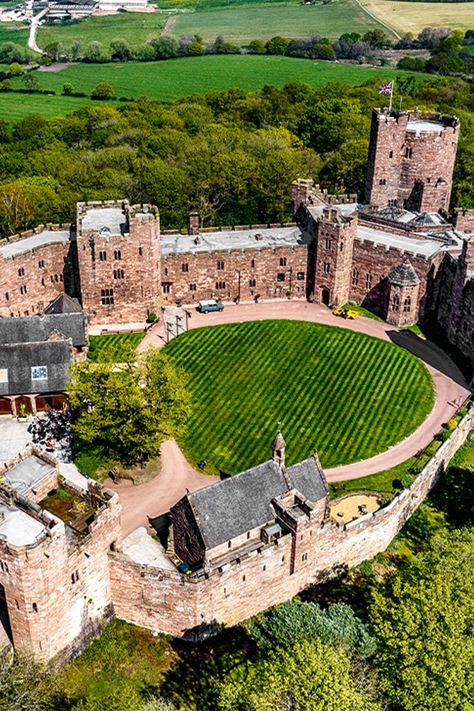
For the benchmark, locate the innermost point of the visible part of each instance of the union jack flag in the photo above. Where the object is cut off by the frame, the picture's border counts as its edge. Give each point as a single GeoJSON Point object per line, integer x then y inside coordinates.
{"type": "Point", "coordinates": [386, 88]}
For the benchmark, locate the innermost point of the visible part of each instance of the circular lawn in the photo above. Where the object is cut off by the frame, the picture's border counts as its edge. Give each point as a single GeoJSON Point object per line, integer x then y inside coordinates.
{"type": "Point", "coordinates": [349, 395]}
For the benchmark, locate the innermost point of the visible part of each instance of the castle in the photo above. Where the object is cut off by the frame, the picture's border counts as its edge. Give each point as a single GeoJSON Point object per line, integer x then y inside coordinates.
{"type": "Point", "coordinates": [401, 254]}
{"type": "Point", "coordinates": [262, 536]}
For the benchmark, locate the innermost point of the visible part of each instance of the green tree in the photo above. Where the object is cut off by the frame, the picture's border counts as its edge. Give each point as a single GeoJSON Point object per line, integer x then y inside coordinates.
{"type": "Point", "coordinates": [68, 88]}
{"type": "Point", "coordinates": [294, 621]}
{"type": "Point", "coordinates": [26, 685]}
{"type": "Point", "coordinates": [424, 623]}
{"type": "Point", "coordinates": [277, 45]}
{"type": "Point", "coordinates": [103, 90]}
{"type": "Point", "coordinates": [120, 50]}
{"type": "Point", "coordinates": [310, 676]}
{"type": "Point", "coordinates": [131, 409]}
{"type": "Point", "coordinates": [16, 69]}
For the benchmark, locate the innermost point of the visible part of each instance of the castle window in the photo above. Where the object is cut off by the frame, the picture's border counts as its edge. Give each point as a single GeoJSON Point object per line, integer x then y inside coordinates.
{"type": "Point", "coordinates": [166, 287]}
{"type": "Point", "coordinates": [304, 557]}
{"type": "Point", "coordinates": [117, 254]}
{"type": "Point", "coordinates": [341, 247]}
{"type": "Point", "coordinates": [368, 281]}
{"type": "Point", "coordinates": [185, 267]}
{"type": "Point", "coordinates": [35, 607]}
{"type": "Point", "coordinates": [119, 274]}
{"type": "Point", "coordinates": [43, 283]}
{"type": "Point", "coordinates": [355, 277]}
{"type": "Point", "coordinates": [166, 271]}
{"type": "Point", "coordinates": [300, 276]}
{"type": "Point", "coordinates": [7, 296]}
{"type": "Point", "coordinates": [220, 284]}
{"type": "Point", "coordinates": [327, 243]}
{"type": "Point", "coordinates": [392, 203]}
{"type": "Point", "coordinates": [281, 276]}
{"type": "Point", "coordinates": [60, 277]}
{"type": "Point", "coordinates": [407, 304]}
{"type": "Point", "coordinates": [264, 567]}
{"type": "Point", "coordinates": [326, 267]}
{"type": "Point", "coordinates": [282, 261]}
{"type": "Point", "coordinates": [395, 302]}
{"type": "Point", "coordinates": [220, 265]}
{"type": "Point", "coordinates": [192, 287]}
{"type": "Point", "coordinates": [75, 577]}
{"type": "Point", "coordinates": [229, 544]}
{"type": "Point", "coordinates": [140, 251]}
{"type": "Point", "coordinates": [283, 559]}
{"type": "Point", "coordinates": [382, 181]}
{"type": "Point", "coordinates": [103, 256]}
{"type": "Point", "coordinates": [4, 566]}
{"type": "Point", "coordinates": [252, 283]}
{"type": "Point", "coordinates": [41, 264]}
{"type": "Point", "coordinates": [21, 271]}
{"type": "Point", "coordinates": [22, 289]}
{"type": "Point", "coordinates": [252, 264]}
{"type": "Point", "coordinates": [408, 152]}
{"type": "Point", "coordinates": [390, 154]}
{"type": "Point", "coordinates": [27, 313]}
{"type": "Point", "coordinates": [248, 535]}
{"type": "Point", "coordinates": [107, 296]}
{"type": "Point", "coordinates": [243, 578]}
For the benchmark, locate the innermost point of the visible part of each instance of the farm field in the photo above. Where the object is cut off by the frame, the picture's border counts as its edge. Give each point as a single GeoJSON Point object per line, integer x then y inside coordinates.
{"type": "Point", "coordinates": [16, 106]}
{"type": "Point", "coordinates": [170, 79]}
{"type": "Point", "coordinates": [14, 32]}
{"type": "Point", "coordinates": [243, 23]}
{"type": "Point", "coordinates": [113, 348]}
{"type": "Point", "coordinates": [134, 27]}
{"type": "Point", "coordinates": [330, 388]}
{"type": "Point", "coordinates": [414, 16]}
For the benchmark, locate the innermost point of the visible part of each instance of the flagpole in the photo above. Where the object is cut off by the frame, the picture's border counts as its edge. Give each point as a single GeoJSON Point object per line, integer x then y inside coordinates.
{"type": "Point", "coordinates": [391, 96]}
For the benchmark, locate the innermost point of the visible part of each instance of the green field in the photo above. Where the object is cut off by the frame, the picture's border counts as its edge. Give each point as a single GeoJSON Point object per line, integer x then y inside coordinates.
{"type": "Point", "coordinates": [261, 21]}
{"type": "Point", "coordinates": [134, 27]}
{"type": "Point", "coordinates": [113, 348]}
{"type": "Point", "coordinates": [14, 32]}
{"type": "Point", "coordinates": [347, 394]}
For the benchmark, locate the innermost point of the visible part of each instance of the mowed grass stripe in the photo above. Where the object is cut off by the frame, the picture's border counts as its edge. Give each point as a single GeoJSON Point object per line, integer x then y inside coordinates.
{"type": "Point", "coordinates": [347, 394]}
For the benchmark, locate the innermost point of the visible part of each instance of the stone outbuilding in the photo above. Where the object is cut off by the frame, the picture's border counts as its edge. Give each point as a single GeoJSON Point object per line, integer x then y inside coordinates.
{"type": "Point", "coordinates": [402, 296]}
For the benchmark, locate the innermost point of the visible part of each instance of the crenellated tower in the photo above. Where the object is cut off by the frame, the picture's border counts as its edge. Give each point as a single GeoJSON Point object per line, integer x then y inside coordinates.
{"type": "Point", "coordinates": [334, 245]}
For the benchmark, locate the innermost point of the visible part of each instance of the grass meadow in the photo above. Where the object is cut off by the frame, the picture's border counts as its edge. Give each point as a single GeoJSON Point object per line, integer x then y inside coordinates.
{"type": "Point", "coordinates": [16, 32]}
{"type": "Point", "coordinates": [404, 16]}
{"type": "Point", "coordinates": [240, 23]}
{"type": "Point", "coordinates": [134, 27]}
{"type": "Point", "coordinates": [113, 348]}
{"type": "Point", "coordinates": [347, 394]}
{"type": "Point", "coordinates": [174, 78]}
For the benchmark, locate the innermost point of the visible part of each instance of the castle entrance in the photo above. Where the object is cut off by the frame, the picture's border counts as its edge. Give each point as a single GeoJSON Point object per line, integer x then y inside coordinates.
{"type": "Point", "coordinates": [4, 618]}
{"type": "Point", "coordinates": [325, 297]}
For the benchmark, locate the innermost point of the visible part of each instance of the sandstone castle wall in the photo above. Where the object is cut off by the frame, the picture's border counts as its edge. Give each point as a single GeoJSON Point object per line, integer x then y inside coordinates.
{"type": "Point", "coordinates": [270, 574]}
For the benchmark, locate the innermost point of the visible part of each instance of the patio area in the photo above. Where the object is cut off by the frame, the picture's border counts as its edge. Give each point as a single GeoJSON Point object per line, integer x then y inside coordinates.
{"type": "Point", "coordinates": [14, 437]}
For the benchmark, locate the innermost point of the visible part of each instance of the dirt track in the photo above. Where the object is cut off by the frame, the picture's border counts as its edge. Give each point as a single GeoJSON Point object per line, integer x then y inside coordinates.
{"type": "Point", "coordinates": [177, 475]}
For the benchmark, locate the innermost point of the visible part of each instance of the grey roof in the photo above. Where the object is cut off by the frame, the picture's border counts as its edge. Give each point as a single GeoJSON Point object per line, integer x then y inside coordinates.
{"type": "Point", "coordinates": [111, 220]}
{"type": "Point", "coordinates": [424, 245]}
{"type": "Point", "coordinates": [27, 473]}
{"type": "Point", "coordinates": [18, 527]}
{"type": "Point", "coordinates": [11, 249]}
{"type": "Point", "coordinates": [419, 126]}
{"type": "Point", "coordinates": [255, 238]}
{"type": "Point", "coordinates": [404, 275]}
{"type": "Point", "coordinates": [241, 503]}
{"type": "Point", "coordinates": [63, 304]}
{"type": "Point", "coordinates": [33, 329]}
{"type": "Point", "coordinates": [19, 359]}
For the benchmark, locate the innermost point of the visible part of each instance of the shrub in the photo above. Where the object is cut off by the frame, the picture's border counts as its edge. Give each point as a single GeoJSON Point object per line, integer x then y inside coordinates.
{"type": "Point", "coordinates": [68, 89]}
{"type": "Point", "coordinates": [102, 91]}
{"type": "Point", "coordinates": [451, 424]}
{"type": "Point", "coordinates": [151, 318]}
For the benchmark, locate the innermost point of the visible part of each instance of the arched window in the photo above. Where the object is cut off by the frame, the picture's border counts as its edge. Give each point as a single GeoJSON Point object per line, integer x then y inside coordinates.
{"type": "Point", "coordinates": [407, 304]}
{"type": "Point", "coordinates": [395, 302]}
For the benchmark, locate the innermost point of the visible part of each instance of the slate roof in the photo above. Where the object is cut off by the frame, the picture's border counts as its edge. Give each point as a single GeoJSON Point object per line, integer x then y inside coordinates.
{"type": "Point", "coordinates": [32, 329]}
{"type": "Point", "coordinates": [404, 275]}
{"type": "Point", "coordinates": [18, 359]}
{"type": "Point", "coordinates": [63, 304]}
{"type": "Point", "coordinates": [24, 475]}
{"type": "Point", "coordinates": [236, 505]}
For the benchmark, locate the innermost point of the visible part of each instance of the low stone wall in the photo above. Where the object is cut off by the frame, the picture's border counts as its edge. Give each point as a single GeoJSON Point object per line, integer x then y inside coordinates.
{"type": "Point", "coordinates": [195, 605]}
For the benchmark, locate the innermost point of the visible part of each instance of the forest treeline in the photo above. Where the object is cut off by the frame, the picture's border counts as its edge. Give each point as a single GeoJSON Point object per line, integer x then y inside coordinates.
{"type": "Point", "coordinates": [231, 155]}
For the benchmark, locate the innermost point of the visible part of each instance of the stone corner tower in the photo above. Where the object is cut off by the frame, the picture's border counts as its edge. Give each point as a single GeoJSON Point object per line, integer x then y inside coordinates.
{"type": "Point", "coordinates": [403, 295]}
{"type": "Point", "coordinates": [118, 249]}
{"type": "Point", "coordinates": [335, 234]}
{"type": "Point", "coordinates": [411, 160]}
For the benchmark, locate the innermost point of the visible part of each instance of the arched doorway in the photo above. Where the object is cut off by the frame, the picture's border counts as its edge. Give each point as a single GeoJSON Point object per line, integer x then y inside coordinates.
{"type": "Point", "coordinates": [325, 297]}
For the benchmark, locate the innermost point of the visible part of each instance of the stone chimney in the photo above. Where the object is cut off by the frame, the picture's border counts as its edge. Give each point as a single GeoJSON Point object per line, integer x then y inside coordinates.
{"type": "Point", "coordinates": [194, 223]}
{"type": "Point", "coordinates": [278, 450]}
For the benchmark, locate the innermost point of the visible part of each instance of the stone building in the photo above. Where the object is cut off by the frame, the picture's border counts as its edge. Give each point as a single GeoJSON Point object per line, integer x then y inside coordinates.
{"type": "Point", "coordinates": [411, 160]}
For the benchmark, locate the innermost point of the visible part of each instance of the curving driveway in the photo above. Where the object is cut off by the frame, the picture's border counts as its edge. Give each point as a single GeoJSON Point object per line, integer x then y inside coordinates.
{"type": "Point", "coordinates": [178, 476]}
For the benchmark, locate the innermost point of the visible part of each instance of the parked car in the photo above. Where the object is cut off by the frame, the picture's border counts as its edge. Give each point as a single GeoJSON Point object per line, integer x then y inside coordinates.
{"type": "Point", "coordinates": [345, 313]}
{"type": "Point", "coordinates": [210, 305]}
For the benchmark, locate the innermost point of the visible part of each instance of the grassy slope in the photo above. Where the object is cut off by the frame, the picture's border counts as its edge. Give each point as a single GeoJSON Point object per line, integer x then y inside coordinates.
{"type": "Point", "coordinates": [135, 28]}
{"type": "Point", "coordinates": [345, 395]}
{"type": "Point", "coordinates": [180, 77]}
{"type": "Point", "coordinates": [14, 32]}
{"type": "Point", "coordinates": [113, 348]}
{"type": "Point", "coordinates": [243, 23]}
{"type": "Point", "coordinates": [414, 16]}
